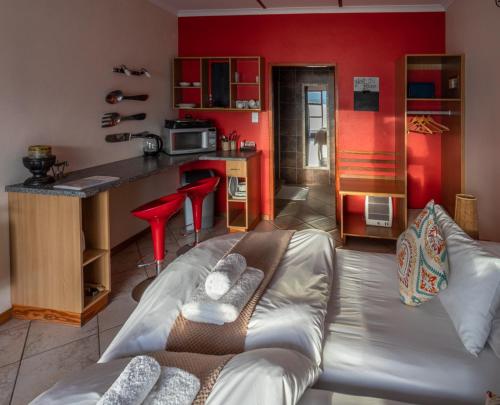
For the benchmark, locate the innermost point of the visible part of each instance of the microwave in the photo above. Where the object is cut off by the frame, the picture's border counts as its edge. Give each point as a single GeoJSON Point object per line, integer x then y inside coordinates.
{"type": "Point", "coordinates": [189, 136]}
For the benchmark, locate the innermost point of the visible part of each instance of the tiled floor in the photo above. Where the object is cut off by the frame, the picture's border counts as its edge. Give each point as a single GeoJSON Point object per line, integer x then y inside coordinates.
{"type": "Point", "coordinates": [34, 355]}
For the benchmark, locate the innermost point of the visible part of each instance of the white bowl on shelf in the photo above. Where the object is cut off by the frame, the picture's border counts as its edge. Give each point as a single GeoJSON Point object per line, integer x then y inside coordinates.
{"type": "Point", "coordinates": [184, 84]}
{"type": "Point", "coordinates": [186, 105]}
{"type": "Point", "coordinates": [196, 84]}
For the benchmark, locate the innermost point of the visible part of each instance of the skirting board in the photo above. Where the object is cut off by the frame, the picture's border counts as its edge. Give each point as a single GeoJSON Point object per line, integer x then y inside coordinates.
{"type": "Point", "coordinates": [5, 316]}
{"type": "Point", "coordinates": [56, 316]}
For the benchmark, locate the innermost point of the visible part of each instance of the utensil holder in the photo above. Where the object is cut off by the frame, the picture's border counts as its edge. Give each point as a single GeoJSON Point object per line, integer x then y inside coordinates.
{"type": "Point", "coordinates": [232, 145]}
{"type": "Point", "coordinates": [226, 146]}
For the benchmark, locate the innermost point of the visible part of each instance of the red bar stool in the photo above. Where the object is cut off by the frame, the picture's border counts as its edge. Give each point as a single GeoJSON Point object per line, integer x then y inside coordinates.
{"type": "Point", "coordinates": [157, 213]}
{"type": "Point", "coordinates": [197, 191]}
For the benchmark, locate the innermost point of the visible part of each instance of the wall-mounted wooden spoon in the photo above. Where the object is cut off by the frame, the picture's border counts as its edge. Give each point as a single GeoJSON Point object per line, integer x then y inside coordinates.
{"type": "Point", "coordinates": [117, 95]}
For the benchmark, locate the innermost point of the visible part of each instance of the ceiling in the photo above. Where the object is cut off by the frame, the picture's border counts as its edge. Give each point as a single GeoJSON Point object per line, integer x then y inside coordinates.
{"type": "Point", "coordinates": [235, 7]}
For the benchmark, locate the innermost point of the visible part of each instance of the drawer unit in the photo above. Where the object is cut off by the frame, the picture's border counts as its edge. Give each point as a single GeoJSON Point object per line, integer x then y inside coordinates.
{"type": "Point", "coordinates": [236, 168]}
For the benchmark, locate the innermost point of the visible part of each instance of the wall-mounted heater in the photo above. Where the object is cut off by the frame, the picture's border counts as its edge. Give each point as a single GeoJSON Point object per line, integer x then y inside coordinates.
{"type": "Point", "coordinates": [378, 211]}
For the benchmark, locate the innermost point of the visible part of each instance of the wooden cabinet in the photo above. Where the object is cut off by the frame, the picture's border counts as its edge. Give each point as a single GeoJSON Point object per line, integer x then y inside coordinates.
{"type": "Point", "coordinates": [385, 173]}
{"type": "Point", "coordinates": [50, 266]}
{"type": "Point", "coordinates": [217, 83]}
{"type": "Point", "coordinates": [243, 211]}
{"type": "Point", "coordinates": [446, 74]}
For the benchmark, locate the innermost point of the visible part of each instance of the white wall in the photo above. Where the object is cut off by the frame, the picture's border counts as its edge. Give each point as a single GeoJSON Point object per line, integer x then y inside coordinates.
{"type": "Point", "coordinates": [56, 58]}
{"type": "Point", "coordinates": [473, 28]}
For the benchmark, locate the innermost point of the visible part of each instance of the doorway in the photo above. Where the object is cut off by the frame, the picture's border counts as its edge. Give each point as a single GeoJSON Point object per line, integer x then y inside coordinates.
{"type": "Point", "coordinates": [303, 108]}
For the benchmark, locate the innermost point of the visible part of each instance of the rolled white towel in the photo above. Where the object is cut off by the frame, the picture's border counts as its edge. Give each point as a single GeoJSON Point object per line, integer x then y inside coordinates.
{"type": "Point", "coordinates": [201, 308]}
{"type": "Point", "coordinates": [224, 275]}
{"type": "Point", "coordinates": [174, 387]}
{"type": "Point", "coordinates": [134, 383]}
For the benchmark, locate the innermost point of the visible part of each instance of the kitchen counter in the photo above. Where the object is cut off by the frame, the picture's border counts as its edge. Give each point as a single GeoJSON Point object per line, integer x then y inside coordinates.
{"type": "Point", "coordinates": [127, 170]}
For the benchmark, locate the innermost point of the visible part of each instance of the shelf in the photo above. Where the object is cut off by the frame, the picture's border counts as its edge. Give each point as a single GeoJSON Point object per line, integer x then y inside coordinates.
{"type": "Point", "coordinates": [237, 200]}
{"type": "Point", "coordinates": [88, 301]}
{"type": "Point", "coordinates": [91, 255]}
{"type": "Point", "coordinates": [433, 99]}
{"type": "Point", "coordinates": [239, 221]}
{"type": "Point", "coordinates": [220, 109]}
{"type": "Point", "coordinates": [373, 187]}
{"type": "Point", "coordinates": [354, 225]}
{"type": "Point", "coordinates": [198, 69]}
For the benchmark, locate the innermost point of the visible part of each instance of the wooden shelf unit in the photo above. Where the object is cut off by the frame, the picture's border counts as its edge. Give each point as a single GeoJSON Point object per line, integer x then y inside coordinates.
{"type": "Point", "coordinates": [355, 225]}
{"type": "Point", "coordinates": [244, 214]}
{"type": "Point", "coordinates": [197, 69]}
{"type": "Point", "coordinates": [438, 69]}
{"type": "Point", "coordinates": [373, 173]}
{"type": "Point", "coordinates": [49, 266]}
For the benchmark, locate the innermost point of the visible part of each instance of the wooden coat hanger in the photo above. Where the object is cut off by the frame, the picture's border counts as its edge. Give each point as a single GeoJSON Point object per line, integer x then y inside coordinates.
{"type": "Point", "coordinates": [426, 125]}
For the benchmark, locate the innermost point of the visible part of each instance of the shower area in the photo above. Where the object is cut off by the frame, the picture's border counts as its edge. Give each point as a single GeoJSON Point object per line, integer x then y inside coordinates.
{"type": "Point", "coordinates": [304, 130]}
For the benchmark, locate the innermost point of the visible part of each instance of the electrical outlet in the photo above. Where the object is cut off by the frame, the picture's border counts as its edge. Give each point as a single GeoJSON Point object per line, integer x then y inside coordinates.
{"type": "Point", "coordinates": [255, 117]}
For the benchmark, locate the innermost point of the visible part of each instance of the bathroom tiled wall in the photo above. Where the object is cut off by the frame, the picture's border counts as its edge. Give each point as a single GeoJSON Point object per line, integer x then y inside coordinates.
{"type": "Point", "coordinates": [289, 123]}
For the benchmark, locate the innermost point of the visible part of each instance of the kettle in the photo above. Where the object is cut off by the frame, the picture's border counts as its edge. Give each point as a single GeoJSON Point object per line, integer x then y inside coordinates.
{"type": "Point", "coordinates": [152, 145]}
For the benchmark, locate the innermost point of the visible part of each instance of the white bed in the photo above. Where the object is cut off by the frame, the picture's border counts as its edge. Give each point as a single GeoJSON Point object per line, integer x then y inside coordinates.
{"type": "Point", "coordinates": [376, 346]}
{"type": "Point", "coordinates": [289, 315]}
{"type": "Point", "coordinates": [285, 335]}
{"type": "Point", "coordinates": [373, 345]}
{"type": "Point", "coordinates": [281, 376]}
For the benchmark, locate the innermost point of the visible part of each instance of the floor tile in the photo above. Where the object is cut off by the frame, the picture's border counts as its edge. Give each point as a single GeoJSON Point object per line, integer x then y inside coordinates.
{"type": "Point", "coordinates": [169, 258]}
{"type": "Point", "coordinates": [40, 372]}
{"type": "Point", "coordinates": [13, 323]}
{"type": "Point", "coordinates": [123, 287]}
{"type": "Point", "coordinates": [116, 313]}
{"type": "Point", "coordinates": [288, 209]}
{"type": "Point", "coordinates": [44, 336]}
{"type": "Point", "coordinates": [106, 337]}
{"type": "Point", "coordinates": [126, 259]}
{"type": "Point", "coordinates": [7, 380]}
{"type": "Point", "coordinates": [12, 344]}
{"type": "Point", "coordinates": [265, 226]}
{"type": "Point", "coordinates": [308, 215]}
{"type": "Point", "coordinates": [286, 221]}
{"type": "Point", "coordinates": [325, 224]}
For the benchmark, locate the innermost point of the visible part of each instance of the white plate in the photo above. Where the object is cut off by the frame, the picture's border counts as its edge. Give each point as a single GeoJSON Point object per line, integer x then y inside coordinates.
{"type": "Point", "coordinates": [184, 84]}
{"type": "Point", "coordinates": [186, 105]}
{"type": "Point", "coordinates": [233, 186]}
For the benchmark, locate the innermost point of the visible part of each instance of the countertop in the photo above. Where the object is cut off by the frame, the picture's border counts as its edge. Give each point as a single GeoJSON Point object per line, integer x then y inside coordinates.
{"type": "Point", "coordinates": [127, 170]}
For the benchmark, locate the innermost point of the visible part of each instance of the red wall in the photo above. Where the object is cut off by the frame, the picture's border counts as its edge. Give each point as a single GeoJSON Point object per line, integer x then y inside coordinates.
{"type": "Point", "coordinates": [359, 45]}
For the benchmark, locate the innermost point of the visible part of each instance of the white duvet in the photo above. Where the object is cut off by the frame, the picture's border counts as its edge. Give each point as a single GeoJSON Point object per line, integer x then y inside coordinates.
{"type": "Point", "coordinates": [285, 335]}
{"type": "Point", "coordinates": [289, 315]}
{"type": "Point", "coordinates": [258, 377]}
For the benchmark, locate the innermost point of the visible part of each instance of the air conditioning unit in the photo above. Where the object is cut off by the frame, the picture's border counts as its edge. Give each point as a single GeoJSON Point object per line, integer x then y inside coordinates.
{"type": "Point", "coordinates": [378, 211]}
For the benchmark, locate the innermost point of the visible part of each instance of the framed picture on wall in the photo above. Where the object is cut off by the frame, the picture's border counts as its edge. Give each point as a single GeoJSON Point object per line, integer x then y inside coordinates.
{"type": "Point", "coordinates": [366, 93]}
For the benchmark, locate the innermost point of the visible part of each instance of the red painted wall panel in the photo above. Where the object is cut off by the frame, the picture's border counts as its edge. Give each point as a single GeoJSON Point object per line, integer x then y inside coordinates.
{"type": "Point", "coordinates": [359, 45]}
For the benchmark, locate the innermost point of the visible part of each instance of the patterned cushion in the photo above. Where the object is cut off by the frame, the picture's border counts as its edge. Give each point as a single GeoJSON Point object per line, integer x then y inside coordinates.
{"type": "Point", "coordinates": [422, 259]}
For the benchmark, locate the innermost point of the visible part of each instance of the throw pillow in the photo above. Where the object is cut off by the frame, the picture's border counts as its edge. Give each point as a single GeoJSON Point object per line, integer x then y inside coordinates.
{"type": "Point", "coordinates": [473, 296]}
{"type": "Point", "coordinates": [422, 259]}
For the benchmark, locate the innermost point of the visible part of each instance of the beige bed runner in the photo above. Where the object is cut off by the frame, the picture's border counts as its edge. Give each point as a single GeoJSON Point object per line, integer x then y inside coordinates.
{"type": "Point", "coordinates": [262, 250]}
{"type": "Point", "coordinates": [204, 349]}
{"type": "Point", "coordinates": [204, 366]}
